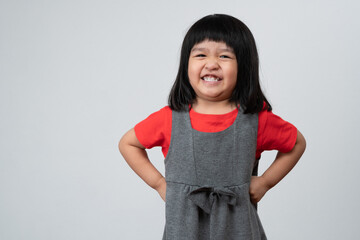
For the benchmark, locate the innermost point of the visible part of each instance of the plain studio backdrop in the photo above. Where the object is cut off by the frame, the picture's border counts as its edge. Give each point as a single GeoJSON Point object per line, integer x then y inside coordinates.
{"type": "Point", "coordinates": [76, 75]}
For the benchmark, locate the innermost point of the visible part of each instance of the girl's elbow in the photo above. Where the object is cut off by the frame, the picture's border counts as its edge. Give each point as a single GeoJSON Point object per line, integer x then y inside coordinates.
{"type": "Point", "coordinates": [300, 141]}
{"type": "Point", "coordinates": [129, 140]}
{"type": "Point", "coordinates": [122, 144]}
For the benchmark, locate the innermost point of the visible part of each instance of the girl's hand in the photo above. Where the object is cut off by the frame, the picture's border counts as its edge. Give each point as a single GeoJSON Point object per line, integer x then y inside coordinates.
{"type": "Point", "coordinates": [258, 188]}
{"type": "Point", "coordinates": [161, 188]}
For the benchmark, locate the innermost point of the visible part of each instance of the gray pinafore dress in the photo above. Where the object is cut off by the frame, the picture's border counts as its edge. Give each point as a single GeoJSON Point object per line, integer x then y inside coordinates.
{"type": "Point", "coordinates": [208, 177]}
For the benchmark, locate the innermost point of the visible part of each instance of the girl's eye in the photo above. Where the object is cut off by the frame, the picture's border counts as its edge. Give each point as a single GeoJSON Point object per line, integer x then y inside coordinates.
{"type": "Point", "coordinates": [224, 56]}
{"type": "Point", "coordinates": [200, 55]}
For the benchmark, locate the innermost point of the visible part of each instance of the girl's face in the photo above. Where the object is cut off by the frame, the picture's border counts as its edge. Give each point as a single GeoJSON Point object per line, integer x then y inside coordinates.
{"type": "Point", "coordinates": [212, 70]}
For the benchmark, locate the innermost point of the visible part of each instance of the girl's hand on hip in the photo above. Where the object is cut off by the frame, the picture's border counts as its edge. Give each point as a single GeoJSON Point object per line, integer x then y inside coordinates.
{"type": "Point", "coordinates": [161, 188]}
{"type": "Point", "coordinates": [258, 188]}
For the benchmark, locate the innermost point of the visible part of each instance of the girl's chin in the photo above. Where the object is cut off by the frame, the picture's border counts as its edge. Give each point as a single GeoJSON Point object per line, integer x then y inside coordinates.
{"type": "Point", "coordinates": [211, 96]}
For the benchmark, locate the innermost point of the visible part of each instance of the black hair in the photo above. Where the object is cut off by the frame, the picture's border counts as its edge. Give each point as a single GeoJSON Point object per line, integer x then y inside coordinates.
{"type": "Point", "coordinates": [228, 29]}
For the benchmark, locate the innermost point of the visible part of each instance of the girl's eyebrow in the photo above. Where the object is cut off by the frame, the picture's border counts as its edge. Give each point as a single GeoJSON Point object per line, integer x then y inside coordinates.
{"type": "Point", "coordinates": [219, 50]}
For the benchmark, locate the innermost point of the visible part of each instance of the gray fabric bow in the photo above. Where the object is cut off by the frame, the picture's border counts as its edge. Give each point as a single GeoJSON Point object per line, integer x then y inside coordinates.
{"type": "Point", "coordinates": [204, 196]}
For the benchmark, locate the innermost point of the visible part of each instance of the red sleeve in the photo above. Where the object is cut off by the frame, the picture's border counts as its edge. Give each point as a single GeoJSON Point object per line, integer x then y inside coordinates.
{"type": "Point", "coordinates": [275, 133]}
{"type": "Point", "coordinates": [155, 130]}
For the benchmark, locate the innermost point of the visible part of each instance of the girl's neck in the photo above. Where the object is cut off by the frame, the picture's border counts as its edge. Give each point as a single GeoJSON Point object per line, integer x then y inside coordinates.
{"type": "Point", "coordinates": [218, 107]}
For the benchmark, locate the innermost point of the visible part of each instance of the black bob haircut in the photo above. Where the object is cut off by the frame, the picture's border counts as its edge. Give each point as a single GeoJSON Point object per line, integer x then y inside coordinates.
{"type": "Point", "coordinates": [228, 29]}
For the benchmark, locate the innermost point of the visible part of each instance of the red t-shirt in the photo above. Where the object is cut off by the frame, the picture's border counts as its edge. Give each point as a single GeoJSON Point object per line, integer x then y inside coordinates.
{"type": "Point", "coordinates": [274, 133]}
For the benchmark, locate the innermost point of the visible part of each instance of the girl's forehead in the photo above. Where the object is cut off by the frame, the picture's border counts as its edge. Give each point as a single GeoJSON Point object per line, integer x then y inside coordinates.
{"type": "Point", "coordinates": [208, 44]}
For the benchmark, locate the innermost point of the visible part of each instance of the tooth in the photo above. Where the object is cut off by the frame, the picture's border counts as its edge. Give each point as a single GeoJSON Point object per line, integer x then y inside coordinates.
{"type": "Point", "coordinates": [211, 79]}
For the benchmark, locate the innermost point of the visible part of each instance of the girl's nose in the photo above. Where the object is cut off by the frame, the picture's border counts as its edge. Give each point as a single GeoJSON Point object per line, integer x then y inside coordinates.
{"type": "Point", "coordinates": [212, 64]}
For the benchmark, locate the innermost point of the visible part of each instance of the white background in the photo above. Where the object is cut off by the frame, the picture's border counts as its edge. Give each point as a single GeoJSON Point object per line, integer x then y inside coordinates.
{"type": "Point", "coordinates": [76, 75]}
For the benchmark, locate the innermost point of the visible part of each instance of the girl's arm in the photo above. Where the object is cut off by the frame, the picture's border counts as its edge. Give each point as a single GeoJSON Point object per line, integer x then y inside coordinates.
{"type": "Point", "coordinates": [281, 166]}
{"type": "Point", "coordinates": [135, 155]}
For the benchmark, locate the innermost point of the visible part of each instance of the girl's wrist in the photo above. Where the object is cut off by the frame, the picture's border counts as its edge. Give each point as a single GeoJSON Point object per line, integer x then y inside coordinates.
{"type": "Point", "coordinates": [159, 183]}
{"type": "Point", "coordinates": [266, 182]}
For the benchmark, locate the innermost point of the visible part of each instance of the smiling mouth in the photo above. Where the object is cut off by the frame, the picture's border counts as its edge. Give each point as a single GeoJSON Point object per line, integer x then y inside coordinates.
{"type": "Point", "coordinates": [211, 79]}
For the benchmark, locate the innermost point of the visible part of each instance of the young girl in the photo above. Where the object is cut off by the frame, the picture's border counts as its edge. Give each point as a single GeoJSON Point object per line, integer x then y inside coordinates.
{"type": "Point", "coordinates": [212, 134]}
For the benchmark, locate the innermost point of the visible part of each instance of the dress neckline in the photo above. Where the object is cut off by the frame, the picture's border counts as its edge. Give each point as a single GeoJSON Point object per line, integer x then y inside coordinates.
{"type": "Point", "coordinates": [229, 128]}
{"type": "Point", "coordinates": [213, 115]}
